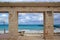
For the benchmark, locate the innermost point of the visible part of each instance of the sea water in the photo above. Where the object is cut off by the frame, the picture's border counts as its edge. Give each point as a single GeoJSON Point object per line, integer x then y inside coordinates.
{"type": "Point", "coordinates": [26, 28]}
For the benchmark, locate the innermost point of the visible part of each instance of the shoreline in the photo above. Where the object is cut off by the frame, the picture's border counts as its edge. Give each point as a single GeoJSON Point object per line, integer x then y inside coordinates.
{"type": "Point", "coordinates": [31, 31]}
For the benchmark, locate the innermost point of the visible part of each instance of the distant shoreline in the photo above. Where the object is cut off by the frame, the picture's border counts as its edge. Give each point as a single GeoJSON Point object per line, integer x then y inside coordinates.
{"type": "Point", "coordinates": [32, 31]}
{"type": "Point", "coordinates": [57, 26]}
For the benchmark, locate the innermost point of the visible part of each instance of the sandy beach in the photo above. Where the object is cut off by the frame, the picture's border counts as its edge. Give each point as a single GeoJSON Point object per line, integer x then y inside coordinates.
{"type": "Point", "coordinates": [29, 37]}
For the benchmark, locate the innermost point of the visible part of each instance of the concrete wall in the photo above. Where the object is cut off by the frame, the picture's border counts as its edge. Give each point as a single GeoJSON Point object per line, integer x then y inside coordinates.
{"type": "Point", "coordinates": [48, 19]}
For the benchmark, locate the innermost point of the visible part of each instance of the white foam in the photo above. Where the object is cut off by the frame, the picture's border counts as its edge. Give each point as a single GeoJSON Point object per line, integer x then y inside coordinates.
{"type": "Point", "coordinates": [32, 31]}
{"type": "Point", "coordinates": [57, 30]}
{"type": "Point", "coordinates": [2, 32]}
{"type": "Point", "coordinates": [39, 31]}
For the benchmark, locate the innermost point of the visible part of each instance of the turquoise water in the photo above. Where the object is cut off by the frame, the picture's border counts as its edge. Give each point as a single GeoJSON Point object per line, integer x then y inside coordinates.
{"type": "Point", "coordinates": [22, 27]}
{"type": "Point", "coordinates": [31, 27]}
{"type": "Point", "coordinates": [27, 27]}
{"type": "Point", "coordinates": [2, 27]}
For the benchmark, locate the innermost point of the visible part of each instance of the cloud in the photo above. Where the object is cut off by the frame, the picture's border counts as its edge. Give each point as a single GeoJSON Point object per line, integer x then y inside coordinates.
{"type": "Point", "coordinates": [56, 15]}
{"type": "Point", "coordinates": [22, 20]}
{"type": "Point", "coordinates": [23, 14]}
{"type": "Point", "coordinates": [4, 15]}
{"type": "Point", "coordinates": [30, 18]}
{"type": "Point", "coordinates": [37, 18]}
{"type": "Point", "coordinates": [4, 18]}
{"type": "Point", "coordinates": [57, 18]}
{"type": "Point", "coordinates": [27, 18]}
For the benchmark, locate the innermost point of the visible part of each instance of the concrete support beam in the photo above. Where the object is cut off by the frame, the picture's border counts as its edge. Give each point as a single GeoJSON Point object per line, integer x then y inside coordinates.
{"type": "Point", "coordinates": [30, 9]}
{"type": "Point", "coordinates": [13, 24]}
{"type": "Point", "coordinates": [48, 23]}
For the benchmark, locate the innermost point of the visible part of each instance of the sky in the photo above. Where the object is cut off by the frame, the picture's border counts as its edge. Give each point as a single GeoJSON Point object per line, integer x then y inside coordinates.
{"type": "Point", "coordinates": [4, 18]}
{"type": "Point", "coordinates": [57, 18]}
{"type": "Point", "coordinates": [29, 0]}
{"type": "Point", "coordinates": [29, 18]}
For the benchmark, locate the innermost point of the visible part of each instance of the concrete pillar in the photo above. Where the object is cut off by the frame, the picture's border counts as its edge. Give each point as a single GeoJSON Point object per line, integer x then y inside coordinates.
{"type": "Point", "coordinates": [48, 25]}
{"type": "Point", "coordinates": [13, 25]}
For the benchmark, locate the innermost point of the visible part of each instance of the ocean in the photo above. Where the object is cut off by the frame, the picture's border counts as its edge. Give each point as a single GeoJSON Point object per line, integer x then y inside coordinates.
{"type": "Point", "coordinates": [26, 28]}
{"type": "Point", "coordinates": [21, 27]}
